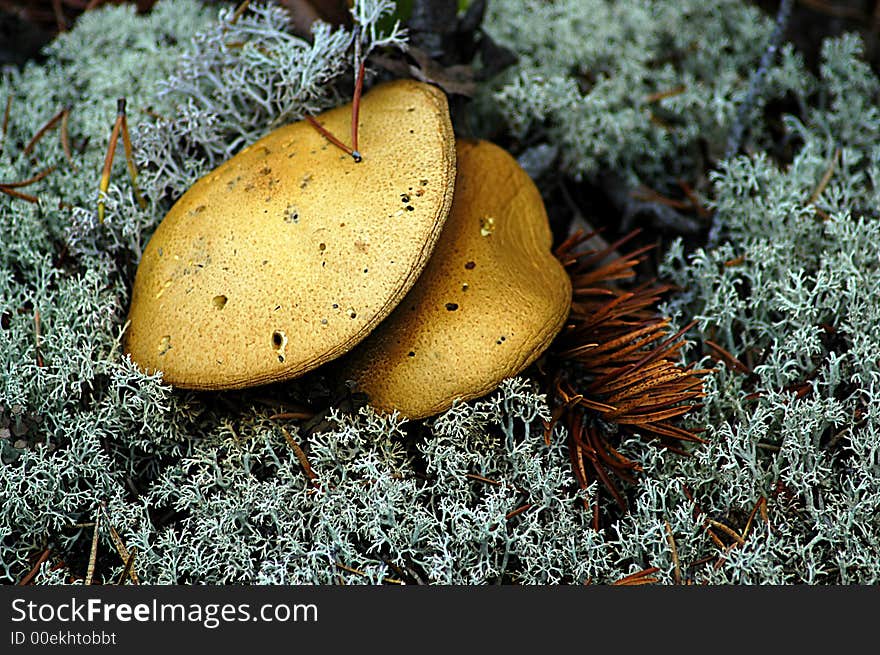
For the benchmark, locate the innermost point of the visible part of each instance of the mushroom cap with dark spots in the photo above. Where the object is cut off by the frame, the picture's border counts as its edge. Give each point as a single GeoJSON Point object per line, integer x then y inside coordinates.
{"type": "Point", "coordinates": [290, 253]}
{"type": "Point", "coordinates": [490, 301]}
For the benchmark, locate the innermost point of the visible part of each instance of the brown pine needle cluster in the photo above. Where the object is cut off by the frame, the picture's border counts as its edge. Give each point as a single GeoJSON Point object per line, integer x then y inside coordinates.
{"type": "Point", "coordinates": [615, 369]}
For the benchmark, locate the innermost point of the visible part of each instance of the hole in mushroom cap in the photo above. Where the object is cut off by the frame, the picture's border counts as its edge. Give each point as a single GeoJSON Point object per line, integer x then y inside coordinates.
{"type": "Point", "coordinates": [279, 343]}
{"type": "Point", "coordinates": [451, 306]}
{"type": "Point", "coordinates": [219, 302]}
{"type": "Point", "coordinates": [470, 265]}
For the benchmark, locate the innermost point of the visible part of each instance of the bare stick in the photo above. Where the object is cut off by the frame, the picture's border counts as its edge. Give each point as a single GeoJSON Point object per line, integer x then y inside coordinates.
{"type": "Point", "coordinates": [93, 555]}
{"type": "Point", "coordinates": [129, 160]}
{"type": "Point", "coordinates": [52, 122]}
{"type": "Point", "coordinates": [5, 120]}
{"type": "Point", "coordinates": [129, 568]}
{"type": "Point", "coordinates": [671, 539]}
{"type": "Point", "coordinates": [37, 337]}
{"type": "Point", "coordinates": [120, 547]}
{"type": "Point", "coordinates": [26, 580]}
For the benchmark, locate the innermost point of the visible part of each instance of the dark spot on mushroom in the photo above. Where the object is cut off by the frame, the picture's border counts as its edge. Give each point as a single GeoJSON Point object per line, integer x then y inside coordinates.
{"type": "Point", "coordinates": [291, 215]}
{"type": "Point", "coordinates": [281, 358]}
{"type": "Point", "coordinates": [451, 306]}
{"type": "Point", "coordinates": [265, 170]}
{"type": "Point", "coordinates": [411, 354]}
{"type": "Point", "coordinates": [322, 247]}
{"type": "Point", "coordinates": [352, 313]}
{"type": "Point", "coordinates": [197, 210]}
{"type": "Point", "coordinates": [265, 261]}
{"type": "Point", "coordinates": [366, 270]}
{"type": "Point", "coordinates": [277, 339]}
{"type": "Point", "coordinates": [424, 182]}
{"type": "Point", "coordinates": [410, 208]}
{"type": "Point", "coordinates": [470, 265]}
{"type": "Point", "coordinates": [465, 287]}
{"type": "Point", "coordinates": [404, 197]}
{"type": "Point", "coordinates": [335, 305]}
{"type": "Point", "coordinates": [410, 108]}
{"type": "Point", "coordinates": [219, 302]}
{"type": "Point", "coordinates": [305, 181]}
{"type": "Point", "coordinates": [412, 131]}
{"type": "Point", "coordinates": [248, 187]}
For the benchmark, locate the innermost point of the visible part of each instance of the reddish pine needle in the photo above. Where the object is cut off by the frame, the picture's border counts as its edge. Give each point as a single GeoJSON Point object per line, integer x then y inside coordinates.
{"type": "Point", "coordinates": [42, 131]}
{"type": "Point", "coordinates": [355, 111]}
{"type": "Point", "coordinates": [5, 120]}
{"type": "Point", "coordinates": [327, 135]}
{"type": "Point", "coordinates": [26, 580]}
{"type": "Point", "coordinates": [119, 127]}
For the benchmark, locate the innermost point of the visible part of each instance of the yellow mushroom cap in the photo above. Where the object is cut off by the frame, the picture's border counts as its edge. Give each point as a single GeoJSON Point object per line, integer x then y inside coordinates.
{"type": "Point", "coordinates": [490, 301]}
{"type": "Point", "coordinates": [290, 253]}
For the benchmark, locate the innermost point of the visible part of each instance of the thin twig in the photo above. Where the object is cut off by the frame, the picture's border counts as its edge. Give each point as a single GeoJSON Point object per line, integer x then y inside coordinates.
{"type": "Point", "coordinates": [668, 93]}
{"type": "Point", "coordinates": [42, 131]}
{"type": "Point", "coordinates": [734, 141]}
{"type": "Point", "coordinates": [327, 135]}
{"type": "Point", "coordinates": [108, 158]}
{"type": "Point", "coordinates": [65, 137]}
{"type": "Point", "coordinates": [826, 178]}
{"type": "Point", "coordinates": [361, 573]}
{"type": "Point", "coordinates": [730, 532]}
{"type": "Point", "coordinates": [295, 416]}
{"type": "Point", "coordinates": [301, 456]}
{"type": "Point", "coordinates": [18, 194]}
{"type": "Point", "coordinates": [129, 568]}
{"type": "Point", "coordinates": [93, 554]}
{"type": "Point", "coordinates": [671, 540]}
{"type": "Point", "coordinates": [356, 107]}
{"type": "Point", "coordinates": [638, 578]}
{"type": "Point", "coordinates": [239, 11]}
{"type": "Point", "coordinates": [518, 511]}
{"type": "Point", "coordinates": [26, 580]}
{"type": "Point", "coordinates": [5, 120]}
{"type": "Point", "coordinates": [120, 545]}
{"type": "Point", "coordinates": [37, 337]}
